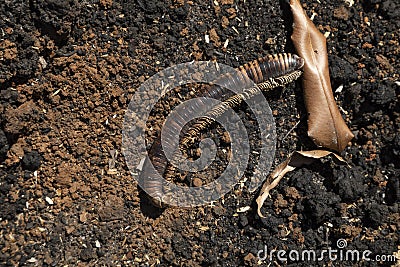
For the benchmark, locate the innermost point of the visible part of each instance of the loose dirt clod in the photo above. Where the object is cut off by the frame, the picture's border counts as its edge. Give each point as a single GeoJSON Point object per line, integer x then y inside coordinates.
{"type": "Point", "coordinates": [297, 159]}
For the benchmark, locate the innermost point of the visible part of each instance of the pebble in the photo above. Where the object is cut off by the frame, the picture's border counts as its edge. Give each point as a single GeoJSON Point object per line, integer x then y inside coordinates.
{"type": "Point", "coordinates": [49, 201]}
{"type": "Point", "coordinates": [197, 182]}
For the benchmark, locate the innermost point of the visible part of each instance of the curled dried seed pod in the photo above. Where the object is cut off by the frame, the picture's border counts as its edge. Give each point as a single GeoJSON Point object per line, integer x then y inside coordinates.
{"type": "Point", "coordinates": [268, 72]}
{"type": "Point", "coordinates": [326, 127]}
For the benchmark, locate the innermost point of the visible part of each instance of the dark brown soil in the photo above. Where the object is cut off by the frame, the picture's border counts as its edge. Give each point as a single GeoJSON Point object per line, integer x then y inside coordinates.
{"type": "Point", "coordinates": [68, 70]}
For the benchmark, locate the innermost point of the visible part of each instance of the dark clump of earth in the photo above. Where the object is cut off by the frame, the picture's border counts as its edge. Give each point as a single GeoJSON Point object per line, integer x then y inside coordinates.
{"type": "Point", "coordinates": [68, 71]}
{"type": "Point", "coordinates": [31, 161]}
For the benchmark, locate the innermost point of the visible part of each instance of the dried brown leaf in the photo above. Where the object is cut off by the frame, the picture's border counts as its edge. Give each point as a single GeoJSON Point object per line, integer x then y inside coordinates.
{"type": "Point", "coordinates": [326, 126]}
{"type": "Point", "coordinates": [297, 159]}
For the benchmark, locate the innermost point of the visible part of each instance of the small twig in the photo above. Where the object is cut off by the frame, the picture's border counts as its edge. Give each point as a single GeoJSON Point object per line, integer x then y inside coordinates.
{"type": "Point", "coordinates": [291, 130]}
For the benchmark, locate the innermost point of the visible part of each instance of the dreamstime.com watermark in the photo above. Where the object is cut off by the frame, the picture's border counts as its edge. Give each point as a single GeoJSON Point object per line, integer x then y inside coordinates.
{"type": "Point", "coordinates": [325, 255]}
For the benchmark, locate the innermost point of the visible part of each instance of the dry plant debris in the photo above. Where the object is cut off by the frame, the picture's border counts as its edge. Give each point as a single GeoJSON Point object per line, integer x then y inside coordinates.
{"type": "Point", "coordinates": [326, 126]}
{"type": "Point", "coordinates": [297, 159]}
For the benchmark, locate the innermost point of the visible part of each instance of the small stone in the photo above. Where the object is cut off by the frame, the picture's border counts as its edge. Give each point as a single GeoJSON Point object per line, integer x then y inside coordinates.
{"type": "Point", "coordinates": [280, 202]}
{"type": "Point", "coordinates": [243, 220]}
{"type": "Point", "coordinates": [214, 37]}
{"type": "Point", "coordinates": [31, 161]}
{"type": "Point", "coordinates": [226, 138]}
{"type": "Point", "coordinates": [384, 62]}
{"type": "Point", "coordinates": [224, 22]}
{"type": "Point", "coordinates": [113, 209]}
{"type": "Point", "coordinates": [342, 71]}
{"type": "Point", "coordinates": [383, 93]}
{"type": "Point", "coordinates": [106, 3]}
{"type": "Point", "coordinates": [227, 2]}
{"type": "Point", "coordinates": [291, 192]}
{"type": "Point", "coordinates": [83, 217]}
{"type": "Point", "coordinates": [197, 182]}
{"type": "Point", "coordinates": [32, 260]}
{"type": "Point", "coordinates": [243, 209]}
{"type": "Point", "coordinates": [42, 62]}
{"type": "Point", "coordinates": [249, 259]}
{"type": "Point", "coordinates": [87, 254]}
{"type": "Point", "coordinates": [47, 259]}
{"type": "Point", "coordinates": [390, 10]}
{"type": "Point", "coordinates": [232, 12]}
{"type": "Point", "coordinates": [15, 153]}
{"type": "Point", "coordinates": [219, 211]}
{"type": "Point", "coordinates": [49, 201]}
{"type": "Point", "coordinates": [3, 145]}
{"type": "Point", "coordinates": [69, 229]}
{"type": "Point", "coordinates": [341, 13]}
